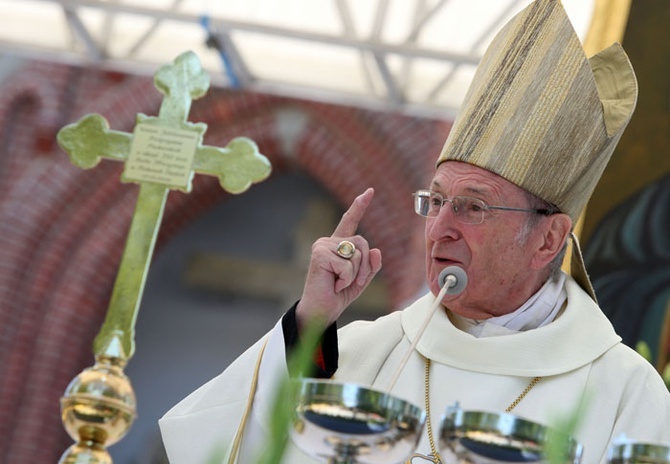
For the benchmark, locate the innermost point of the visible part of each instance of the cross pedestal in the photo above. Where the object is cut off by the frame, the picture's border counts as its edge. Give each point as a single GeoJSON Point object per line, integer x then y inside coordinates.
{"type": "Point", "coordinates": [163, 153]}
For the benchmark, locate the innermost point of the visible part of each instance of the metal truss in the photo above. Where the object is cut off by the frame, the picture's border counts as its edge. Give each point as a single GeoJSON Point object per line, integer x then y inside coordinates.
{"type": "Point", "coordinates": [405, 72]}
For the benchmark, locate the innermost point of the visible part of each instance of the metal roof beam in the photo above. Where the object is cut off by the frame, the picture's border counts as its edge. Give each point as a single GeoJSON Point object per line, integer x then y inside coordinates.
{"type": "Point", "coordinates": [150, 31]}
{"type": "Point", "coordinates": [345, 40]}
{"type": "Point", "coordinates": [350, 29]}
{"type": "Point", "coordinates": [81, 33]}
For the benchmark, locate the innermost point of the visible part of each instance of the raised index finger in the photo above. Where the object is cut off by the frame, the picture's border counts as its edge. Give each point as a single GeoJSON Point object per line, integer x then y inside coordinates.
{"type": "Point", "coordinates": [350, 219]}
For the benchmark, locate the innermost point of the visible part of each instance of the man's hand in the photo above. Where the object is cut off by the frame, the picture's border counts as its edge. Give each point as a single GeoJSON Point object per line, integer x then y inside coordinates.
{"type": "Point", "coordinates": [334, 282]}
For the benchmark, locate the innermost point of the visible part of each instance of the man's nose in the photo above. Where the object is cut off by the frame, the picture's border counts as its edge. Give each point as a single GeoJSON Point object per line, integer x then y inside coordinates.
{"type": "Point", "coordinates": [447, 209]}
{"type": "Point", "coordinates": [445, 223]}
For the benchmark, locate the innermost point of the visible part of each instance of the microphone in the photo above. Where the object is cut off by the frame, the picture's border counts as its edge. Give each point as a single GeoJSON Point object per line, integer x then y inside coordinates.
{"type": "Point", "coordinates": [454, 278]}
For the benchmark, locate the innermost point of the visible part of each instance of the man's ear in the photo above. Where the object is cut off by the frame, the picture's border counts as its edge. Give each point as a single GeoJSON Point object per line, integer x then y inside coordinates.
{"type": "Point", "coordinates": [554, 231]}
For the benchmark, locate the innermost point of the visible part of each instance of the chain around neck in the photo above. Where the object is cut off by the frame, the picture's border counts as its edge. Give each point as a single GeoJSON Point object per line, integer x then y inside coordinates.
{"type": "Point", "coordinates": [434, 456]}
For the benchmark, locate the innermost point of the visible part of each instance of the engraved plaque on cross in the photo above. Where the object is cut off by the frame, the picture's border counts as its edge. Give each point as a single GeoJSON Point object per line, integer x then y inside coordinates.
{"type": "Point", "coordinates": [162, 154]}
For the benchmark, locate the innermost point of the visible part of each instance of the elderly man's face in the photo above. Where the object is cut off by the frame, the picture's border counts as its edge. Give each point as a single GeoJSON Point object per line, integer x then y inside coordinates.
{"type": "Point", "coordinates": [496, 254]}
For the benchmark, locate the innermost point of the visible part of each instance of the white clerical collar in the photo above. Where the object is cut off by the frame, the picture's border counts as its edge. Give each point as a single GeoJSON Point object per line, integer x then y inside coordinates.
{"type": "Point", "coordinates": [539, 310]}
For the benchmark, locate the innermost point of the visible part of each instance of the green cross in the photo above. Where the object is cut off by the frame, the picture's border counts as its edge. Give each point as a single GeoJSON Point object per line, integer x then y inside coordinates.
{"type": "Point", "coordinates": [163, 153]}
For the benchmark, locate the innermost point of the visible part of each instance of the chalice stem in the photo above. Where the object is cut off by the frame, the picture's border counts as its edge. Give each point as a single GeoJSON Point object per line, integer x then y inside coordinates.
{"type": "Point", "coordinates": [339, 460]}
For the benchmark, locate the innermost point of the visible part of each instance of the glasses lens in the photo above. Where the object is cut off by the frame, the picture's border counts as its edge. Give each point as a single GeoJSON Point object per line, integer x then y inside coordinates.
{"type": "Point", "coordinates": [469, 210]}
{"type": "Point", "coordinates": [422, 202]}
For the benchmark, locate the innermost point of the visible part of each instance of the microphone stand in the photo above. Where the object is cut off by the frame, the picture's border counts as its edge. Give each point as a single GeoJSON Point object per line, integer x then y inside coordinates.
{"type": "Point", "coordinates": [453, 280]}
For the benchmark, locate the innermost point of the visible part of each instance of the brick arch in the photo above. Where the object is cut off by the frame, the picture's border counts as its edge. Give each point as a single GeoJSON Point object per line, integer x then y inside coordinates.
{"type": "Point", "coordinates": [346, 152]}
{"type": "Point", "coordinates": [62, 230]}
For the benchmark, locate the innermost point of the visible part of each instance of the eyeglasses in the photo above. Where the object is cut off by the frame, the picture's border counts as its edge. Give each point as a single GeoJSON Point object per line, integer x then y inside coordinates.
{"type": "Point", "coordinates": [467, 210]}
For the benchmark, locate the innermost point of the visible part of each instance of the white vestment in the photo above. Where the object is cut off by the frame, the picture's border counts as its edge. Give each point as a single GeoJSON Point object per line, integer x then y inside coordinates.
{"type": "Point", "coordinates": [581, 360]}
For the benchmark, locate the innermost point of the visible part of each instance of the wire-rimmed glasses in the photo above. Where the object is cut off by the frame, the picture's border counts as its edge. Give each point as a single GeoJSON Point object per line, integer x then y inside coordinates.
{"type": "Point", "coordinates": [467, 210]}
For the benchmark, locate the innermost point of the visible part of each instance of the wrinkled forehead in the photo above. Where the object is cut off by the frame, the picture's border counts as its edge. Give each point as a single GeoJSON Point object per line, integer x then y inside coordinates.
{"type": "Point", "coordinates": [473, 179]}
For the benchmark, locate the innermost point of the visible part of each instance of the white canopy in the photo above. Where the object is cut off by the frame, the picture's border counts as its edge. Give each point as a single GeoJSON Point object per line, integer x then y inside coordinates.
{"type": "Point", "coordinates": [411, 56]}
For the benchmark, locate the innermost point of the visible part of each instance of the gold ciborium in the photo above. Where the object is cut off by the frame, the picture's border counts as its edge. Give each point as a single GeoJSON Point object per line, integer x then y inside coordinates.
{"type": "Point", "coordinates": [348, 424]}
{"type": "Point", "coordinates": [475, 437]}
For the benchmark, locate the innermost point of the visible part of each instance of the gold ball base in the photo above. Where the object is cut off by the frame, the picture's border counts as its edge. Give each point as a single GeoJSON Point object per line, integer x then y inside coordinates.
{"type": "Point", "coordinates": [86, 453]}
{"type": "Point", "coordinates": [97, 410]}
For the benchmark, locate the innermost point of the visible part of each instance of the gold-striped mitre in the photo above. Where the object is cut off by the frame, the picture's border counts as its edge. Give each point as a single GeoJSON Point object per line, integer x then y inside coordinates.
{"type": "Point", "coordinates": [542, 115]}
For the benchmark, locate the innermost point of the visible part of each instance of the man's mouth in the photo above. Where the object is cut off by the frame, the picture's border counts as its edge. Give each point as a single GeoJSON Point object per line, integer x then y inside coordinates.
{"type": "Point", "coordinates": [445, 261]}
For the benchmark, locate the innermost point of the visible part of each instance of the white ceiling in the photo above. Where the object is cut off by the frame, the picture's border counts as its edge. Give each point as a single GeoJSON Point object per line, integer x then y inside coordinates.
{"type": "Point", "coordinates": [411, 56]}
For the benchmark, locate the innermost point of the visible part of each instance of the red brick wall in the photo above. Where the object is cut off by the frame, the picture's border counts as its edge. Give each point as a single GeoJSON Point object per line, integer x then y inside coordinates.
{"type": "Point", "coordinates": [62, 229]}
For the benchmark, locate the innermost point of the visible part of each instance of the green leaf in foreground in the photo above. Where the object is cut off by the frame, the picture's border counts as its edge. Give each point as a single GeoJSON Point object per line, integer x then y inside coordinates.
{"type": "Point", "coordinates": [286, 397]}
{"type": "Point", "coordinates": [563, 431]}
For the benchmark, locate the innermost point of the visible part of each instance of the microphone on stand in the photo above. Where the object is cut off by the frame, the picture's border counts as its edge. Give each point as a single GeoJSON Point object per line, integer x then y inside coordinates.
{"type": "Point", "coordinates": [454, 278]}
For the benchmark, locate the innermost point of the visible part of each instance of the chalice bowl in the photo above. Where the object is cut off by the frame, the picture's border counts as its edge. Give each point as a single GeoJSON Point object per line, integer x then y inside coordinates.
{"type": "Point", "coordinates": [475, 437]}
{"type": "Point", "coordinates": [633, 452]}
{"type": "Point", "coordinates": [340, 423]}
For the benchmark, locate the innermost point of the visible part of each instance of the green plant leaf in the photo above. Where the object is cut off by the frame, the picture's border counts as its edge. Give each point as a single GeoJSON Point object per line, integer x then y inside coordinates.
{"type": "Point", "coordinates": [643, 349]}
{"type": "Point", "coordinates": [283, 410]}
{"type": "Point", "coordinates": [563, 431]}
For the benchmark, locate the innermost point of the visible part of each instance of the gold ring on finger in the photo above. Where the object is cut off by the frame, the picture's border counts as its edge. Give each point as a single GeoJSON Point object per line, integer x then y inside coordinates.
{"type": "Point", "coordinates": [345, 249]}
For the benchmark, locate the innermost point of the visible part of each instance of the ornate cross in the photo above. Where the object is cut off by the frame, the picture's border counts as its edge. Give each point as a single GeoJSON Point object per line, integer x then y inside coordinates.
{"type": "Point", "coordinates": [162, 154]}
